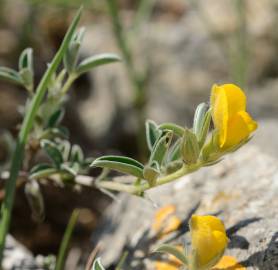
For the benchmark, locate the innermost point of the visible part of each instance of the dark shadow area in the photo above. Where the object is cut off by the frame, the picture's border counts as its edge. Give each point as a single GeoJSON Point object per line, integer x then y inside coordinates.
{"type": "Point", "coordinates": [266, 259]}
{"type": "Point", "coordinates": [238, 241]}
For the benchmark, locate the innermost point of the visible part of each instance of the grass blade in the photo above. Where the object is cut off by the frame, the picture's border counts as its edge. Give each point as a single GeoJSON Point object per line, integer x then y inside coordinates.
{"type": "Point", "coordinates": [7, 205]}
{"type": "Point", "coordinates": [66, 240]}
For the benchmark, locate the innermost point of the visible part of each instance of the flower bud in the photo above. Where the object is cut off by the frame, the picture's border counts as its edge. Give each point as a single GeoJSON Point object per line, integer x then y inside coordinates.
{"type": "Point", "coordinates": [190, 148]}
{"type": "Point", "coordinates": [208, 242]}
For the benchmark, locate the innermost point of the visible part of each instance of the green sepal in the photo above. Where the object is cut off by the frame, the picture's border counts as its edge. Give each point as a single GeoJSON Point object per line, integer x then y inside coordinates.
{"type": "Point", "coordinates": [10, 75]}
{"type": "Point", "coordinates": [26, 59]}
{"type": "Point", "coordinates": [151, 172]}
{"type": "Point", "coordinates": [26, 68]}
{"type": "Point", "coordinates": [202, 136]}
{"type": "Point", "coordinates": [71, 55]}
{"type": "Point", "coordinates": [65, 149]}
{"type": "Point", "coordinates": [97, 60]}
{"type": "Point", "coordinates": [174, 166]}
{"type": "Point", "coordinates": [97, 265]}
{"type": "Point", "coordinates": [76, 154]}
{"type": "Point", "coordinates": [201, 124]}
{"type": "Point", "coordinates": [161, 147]}
{"type": "Point", "coordinates": [53, 152]}
{"type": "Point", "coordinates": [175, 151]}
{"type": "Point", "coordinates": [190, 148]}
{"type": "Point", "coordinates": [199, 118]}
{"type": "Point", "coordinates": [121, 164]}
{"type": "Point", "coordinates": [211, 151]}
{"type": "Point", "coordinates": [27, 78]}
{"type": "Point", "coordinates": [211, 163]}
{"type": "Point", "coordinates": [69, 170]}
{"type": "Point", "coordinates": [152, 133]}
{"type": "Point", "coordinates": [173, 251]}
{"type": "Point", "coordinates": [178, 130]}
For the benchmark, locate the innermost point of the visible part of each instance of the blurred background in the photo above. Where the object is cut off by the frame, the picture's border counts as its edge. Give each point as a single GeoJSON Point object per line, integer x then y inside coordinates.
{"type": "Point", "coordinates": [173, 52]}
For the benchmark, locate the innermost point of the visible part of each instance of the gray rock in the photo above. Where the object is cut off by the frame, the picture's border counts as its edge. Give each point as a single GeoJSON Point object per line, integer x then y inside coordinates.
{"type": "Point", "coordinates": [242, 190]}
{"type": "Point", "coordinates": [18, 257]}
{"type": "Point", "coordinates": [185, 61]}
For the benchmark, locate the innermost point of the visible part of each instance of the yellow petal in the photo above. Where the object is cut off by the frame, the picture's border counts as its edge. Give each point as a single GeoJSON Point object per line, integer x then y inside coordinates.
{"type": "Point", "coordinates": [214, 223]}
{"type": "Point", "coordinates": [233, 123]}
{"type": "Point", "coordinates": [171, 225]}
{"type": "Point", "coordinates": [228, 263]}
{"type": "Point", "coordinates": [219, 105]}
{"type": "Point", "coordinates": [208, 239]}
{"type": "Point", "coordinates": [236, 98]}
{"type": "Point", "coordinates": [209, 246]}
{"type": "Point", "coordinates": [166, 221]}
{"type": "Point", "coordinates": [251, 124]}
{"type": "Point", "coordinates": [239, 128]}
{"type": "Point", "coordinates": [166, 266]}
{"type": "Point", "coordinates": [161, 215]}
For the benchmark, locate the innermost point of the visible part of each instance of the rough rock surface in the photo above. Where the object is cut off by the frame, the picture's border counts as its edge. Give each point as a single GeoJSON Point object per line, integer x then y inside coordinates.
{"type": "Point", "coordinates": [242, 190]}
{"type": "Point", "coordinates": [185, 60]}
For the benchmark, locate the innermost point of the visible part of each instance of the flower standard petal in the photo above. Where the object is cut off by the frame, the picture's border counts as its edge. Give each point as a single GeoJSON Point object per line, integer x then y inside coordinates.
{"type": "Point", "coordinates": [235, 97]}
{"type": "Point", "coordinates": [232, 123]}
{"type": "Point", "coordinates": [208, 240]}
{"type": "Point", "coordinates": [219, 104]}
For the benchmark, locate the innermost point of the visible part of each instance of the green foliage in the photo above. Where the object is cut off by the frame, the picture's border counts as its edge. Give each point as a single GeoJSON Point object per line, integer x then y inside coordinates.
{"type": "Point", "coordinates": [190, 147]}
{"type": "Point", "coordinates": [97, 265]}
{"type": "Point", "coordinates": [42, 128]}
{"type": "Point", "coordinates": [94, 61]}
{"type": "Point", "coordinates": [10, 75]}
{"type": "Point", "coordinates": [66, 240]}
{"type": "Point", "coordinates": [121, 164]}
{"type": "Point", "coordinates": [173, 251]}
{"type": "Point", "coordinates": [152, 133]}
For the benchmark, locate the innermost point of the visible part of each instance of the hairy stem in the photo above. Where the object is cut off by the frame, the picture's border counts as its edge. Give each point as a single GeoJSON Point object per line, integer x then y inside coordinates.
{"type": "Point", "coordinates": [133, 189]}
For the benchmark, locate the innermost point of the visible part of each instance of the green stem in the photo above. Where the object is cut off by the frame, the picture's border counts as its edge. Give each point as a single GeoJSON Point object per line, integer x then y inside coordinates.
{"type": "Point", "coordinates": [122, 261]}
{"type": "Point", "coordinates": [133, 189]}
{"type": "Point", "coordinates": [240, 55]}
{"type": "Point", "coordinates": [138, 82]}
{"type": "Point", "coordinates": [143, 13]}
{"type": "Point", "coordinates": [122, 41]}
{"type": "Point", "coordinates": [65, 242]}
{"type": "Point", "coordinates": [72, 77]}
{"type": "Point", "coordinates": [7, 205]}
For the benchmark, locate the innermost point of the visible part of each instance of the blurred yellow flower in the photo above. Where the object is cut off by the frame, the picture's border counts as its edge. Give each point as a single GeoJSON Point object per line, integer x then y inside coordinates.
{"type": "Point", "coordinates": [233, 123]}
{"type": "Point", "coordinates": [165, 220]}
{"type": "Point", "coordinates": [172, 263]}
{"type": "Point", "coordinates": [208, 241]}
{"type": "Point", "coordinates": [166, 266]}
{"type": "Point", "coordinates": [228, 263]}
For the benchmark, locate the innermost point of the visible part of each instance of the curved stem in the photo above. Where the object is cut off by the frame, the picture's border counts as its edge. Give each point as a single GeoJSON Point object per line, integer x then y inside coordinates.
{"type": "Point", "coordinates": [145, 186]}
{"type": "Point", "coordinates": [72, 77]}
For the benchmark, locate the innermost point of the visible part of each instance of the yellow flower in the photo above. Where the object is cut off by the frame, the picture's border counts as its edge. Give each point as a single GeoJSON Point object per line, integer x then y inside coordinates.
{"type": "Point", "coordinates": [172, 263]}
{"type": "Point", "coordinates": [208, 241]}
{"type": "Point", "coordinates": [166, 266]}
{"type": "Point", "coordinates": [229, 115]}
{"type": "Point", "coordinates": [228, 263]}
{"type": "Point", "coordinates": [166, 221]}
